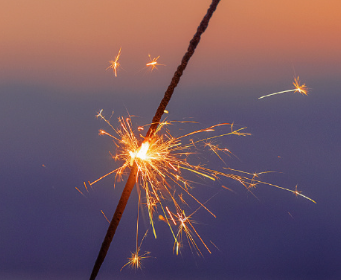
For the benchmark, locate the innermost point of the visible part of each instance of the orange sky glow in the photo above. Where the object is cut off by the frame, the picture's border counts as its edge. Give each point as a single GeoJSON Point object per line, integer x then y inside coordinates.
{"type": "Point", "coordinates": [69, 43]}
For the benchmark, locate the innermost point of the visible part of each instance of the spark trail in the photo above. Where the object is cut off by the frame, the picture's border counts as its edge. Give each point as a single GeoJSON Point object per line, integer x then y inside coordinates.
{"type": "Point", "coordinates": [298, 88]}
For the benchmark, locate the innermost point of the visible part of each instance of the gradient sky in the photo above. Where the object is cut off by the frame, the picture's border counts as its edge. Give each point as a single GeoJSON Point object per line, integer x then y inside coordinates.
{"type": "Point", "coordinates": [53, 81]}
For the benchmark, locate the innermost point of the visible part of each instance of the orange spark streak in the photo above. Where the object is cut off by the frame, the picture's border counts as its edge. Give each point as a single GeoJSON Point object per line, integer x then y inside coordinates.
{"type": "Point", "coordinates": [79, 191]}
{"type": "Point", "coordinates": [298, 88]}
{"type": "Point", "coordinates": [105, 216]}
{"type": "Point", "coordinates": [86, 187]}
{"type": "Point", "coordinates": [114, 64]}
{"type": "Point", "coordinates": [153, 63]}
{"type": "Point", "coordinates": [170, 215]}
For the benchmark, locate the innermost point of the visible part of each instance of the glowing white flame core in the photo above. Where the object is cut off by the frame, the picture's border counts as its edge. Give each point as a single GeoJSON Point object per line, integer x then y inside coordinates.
{"type": "Point", "coordinates": [141, 153]}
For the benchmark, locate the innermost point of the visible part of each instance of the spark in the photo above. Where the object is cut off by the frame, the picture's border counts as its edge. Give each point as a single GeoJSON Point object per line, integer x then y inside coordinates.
{"type": "Point", "coordinates": [186, 226]}
{"type": "Point", "coordinates": [153, 63]}
{"type": "Point", "coordinates": [298, 88]}
{"type": "Point", "coordinates": [105, 216]}
{"type": "Point", "coordinates": [86, 187]}
{"type": "Point", "coordinates": [136, 258]}
{"type": "Point", "coordinates": [249, 181]}
{"type": "Point", "coordinates": [114, 64]}
{"type": "Point", "coordinates": [215, 245]}
{"type": "Point", "coordinates": [163, 161]}
{"type": "Point", "coordinates": [296, 192]}
{"type": "Point", "coordinates": [215, 149]}
{"type": "Point", "coordinates": [79, 191]}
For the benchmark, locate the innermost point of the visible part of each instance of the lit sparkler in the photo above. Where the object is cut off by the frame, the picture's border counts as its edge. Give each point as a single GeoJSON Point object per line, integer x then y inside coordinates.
{"type": "Point", "coordinates": [158, 166]}
{"type": "Point", "coordinates": [163, 162]}
{"type": "Point", "coordinates": [152, 129]}
{"type": "Point", "coordinates": [298, 88]}
{"type": "Point", "coordinates": [114, 64]}
{"type": "Point", "coordinates": [153, 63]}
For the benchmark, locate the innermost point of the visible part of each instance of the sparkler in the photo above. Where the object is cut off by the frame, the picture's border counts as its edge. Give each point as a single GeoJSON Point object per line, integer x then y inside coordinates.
{"type": "Point", "coordinates": [153, 62]}
{"type": "Point", "coordinates": [162, 162]}
{"type": "Point", "coordinates": [157, 162]}
{"type": "Point", "coordinates": [161, 158]}
{"type": "Point", "coordinates": [114, 64]}
{"type": "Point", "coordinates": [155, 122]}
{"type": "Point", "coordinates": [298, 88]}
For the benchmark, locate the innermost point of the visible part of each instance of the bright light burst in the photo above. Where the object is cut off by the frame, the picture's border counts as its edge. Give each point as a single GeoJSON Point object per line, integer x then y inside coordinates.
{"type": "Point", "coordinates": [114, 64]}
{"type": "Point", "coordinates": [136, 258]}
{"type": "Point", "coordinates": [298, 88]}
{"type": "Point", "coordinates": [153, 63]}
{"type": "Point", "coordinates": [163, 163]}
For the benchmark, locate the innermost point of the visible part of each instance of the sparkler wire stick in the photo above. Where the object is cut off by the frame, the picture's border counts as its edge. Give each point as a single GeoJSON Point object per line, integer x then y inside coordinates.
{"type": "Point", "coordinates": [178, 73]}
{"type": "Point", "coordinates": [155, 122]}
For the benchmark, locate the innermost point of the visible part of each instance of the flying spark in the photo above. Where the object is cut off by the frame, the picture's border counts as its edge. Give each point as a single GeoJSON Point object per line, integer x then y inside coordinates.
{"type": "Point", "coordinates": [298, 88]}
{"type": "Point", "coordinates": [153, 63]}
{"type": "Point", "coordinates": [114, 64]}
{"type": "Point", "coordinates": [136, 258]}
